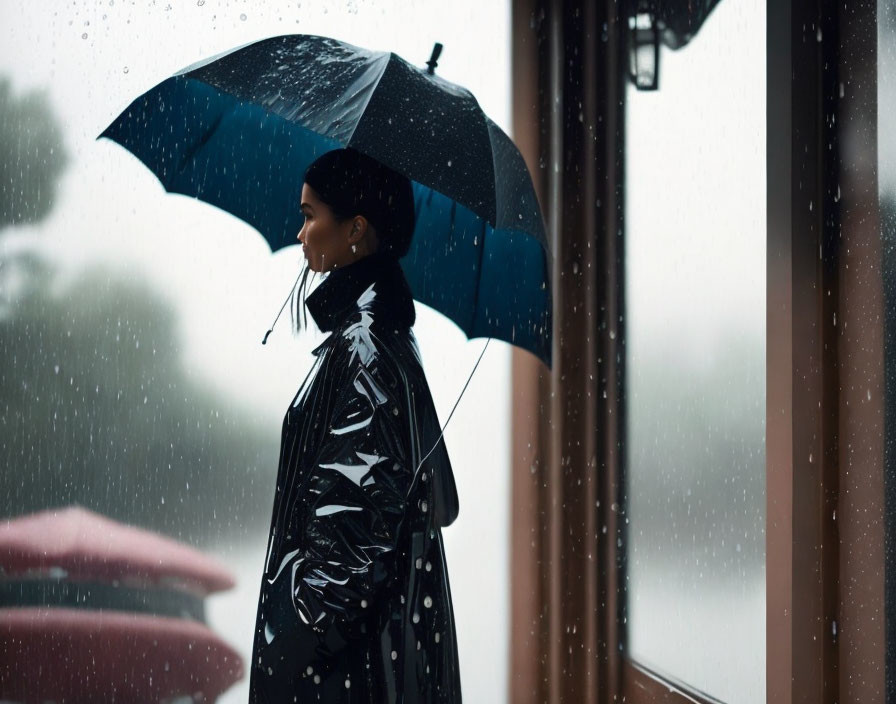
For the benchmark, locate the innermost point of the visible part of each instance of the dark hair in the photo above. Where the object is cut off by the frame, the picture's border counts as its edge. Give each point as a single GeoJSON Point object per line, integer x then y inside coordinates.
{"type": "Point", "coordinates": [352, 183]}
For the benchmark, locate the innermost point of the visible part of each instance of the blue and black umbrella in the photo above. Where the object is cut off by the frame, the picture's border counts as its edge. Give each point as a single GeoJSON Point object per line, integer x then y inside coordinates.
{"type": "Point", "coordinates": [238, 130]}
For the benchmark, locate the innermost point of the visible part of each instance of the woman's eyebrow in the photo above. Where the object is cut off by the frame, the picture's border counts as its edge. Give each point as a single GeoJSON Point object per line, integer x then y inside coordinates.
{"type": "Point", "coordinates": [306, 205]}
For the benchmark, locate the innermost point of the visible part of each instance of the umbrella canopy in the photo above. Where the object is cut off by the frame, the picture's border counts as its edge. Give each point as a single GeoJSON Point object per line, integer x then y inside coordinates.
{"type": "Point", "coordinates": [238, 130]}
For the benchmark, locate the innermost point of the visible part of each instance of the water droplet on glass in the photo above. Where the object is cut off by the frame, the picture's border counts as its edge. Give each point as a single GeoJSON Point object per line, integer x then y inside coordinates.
{"type": "Point", "coordinates": [394, 655]}
{"type": "Point", "coordinates": [427, 602]}
{"type": "Point", "coordinates": [243, 18]}
{"type": "Point", "coordinates": [416, 618]}
{"type": "Point", "coordinates": [84, 36]}
{"type": "Point", "coordinates": [200, 2]}
{"type": "Point", "coordinates": [126, 69]}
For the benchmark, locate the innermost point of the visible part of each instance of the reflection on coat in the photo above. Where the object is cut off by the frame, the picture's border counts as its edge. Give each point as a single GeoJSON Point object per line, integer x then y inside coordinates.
{"type": "Point", "coordinates": [355, 604]}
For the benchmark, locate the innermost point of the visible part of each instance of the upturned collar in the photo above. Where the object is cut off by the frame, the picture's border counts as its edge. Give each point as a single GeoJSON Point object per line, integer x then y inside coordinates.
{"type": "Point", "coordinates": [336, 297]}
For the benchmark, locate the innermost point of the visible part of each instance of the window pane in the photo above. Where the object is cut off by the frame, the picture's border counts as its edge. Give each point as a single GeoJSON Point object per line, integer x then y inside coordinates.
{"type": "Point", "coordinates": [695, 360]}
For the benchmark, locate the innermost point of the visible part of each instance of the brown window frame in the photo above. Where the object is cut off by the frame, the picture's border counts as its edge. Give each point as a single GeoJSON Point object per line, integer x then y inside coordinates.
{"type": "Point", "coordinates": [824, 398]}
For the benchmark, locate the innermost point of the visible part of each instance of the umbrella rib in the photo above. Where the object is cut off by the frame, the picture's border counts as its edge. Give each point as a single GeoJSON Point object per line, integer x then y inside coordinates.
{"type": "Point", "coordinates": [479, 277]}
{"type": "Point", "coordinates": [369, 96]}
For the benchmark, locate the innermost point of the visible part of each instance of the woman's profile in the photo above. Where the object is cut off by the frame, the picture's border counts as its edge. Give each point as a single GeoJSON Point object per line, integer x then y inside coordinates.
{"type": "Point", "coordinates": [355, 604]}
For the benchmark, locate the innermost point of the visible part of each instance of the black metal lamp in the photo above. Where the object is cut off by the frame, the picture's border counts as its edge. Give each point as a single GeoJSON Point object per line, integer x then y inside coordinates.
{"type": "Point", "coordinates": [644, 47]}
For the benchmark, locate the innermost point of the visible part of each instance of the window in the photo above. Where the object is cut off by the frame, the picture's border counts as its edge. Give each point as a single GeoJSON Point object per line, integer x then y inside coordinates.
{"type": "Point", "coordinates": [695, 359]}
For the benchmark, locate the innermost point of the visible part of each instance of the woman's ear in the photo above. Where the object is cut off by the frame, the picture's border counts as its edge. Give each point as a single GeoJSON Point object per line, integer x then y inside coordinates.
{"type": "Point", "coordinates": [358, 229]}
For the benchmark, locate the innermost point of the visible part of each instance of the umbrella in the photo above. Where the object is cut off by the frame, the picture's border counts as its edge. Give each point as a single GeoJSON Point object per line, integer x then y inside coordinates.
{"type": "Point", "coordinates": [237, 130]}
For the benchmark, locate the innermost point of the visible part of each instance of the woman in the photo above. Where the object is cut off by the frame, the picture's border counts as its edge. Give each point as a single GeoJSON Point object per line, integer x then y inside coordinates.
{"type": "Point", "coordinates": [355, 604]}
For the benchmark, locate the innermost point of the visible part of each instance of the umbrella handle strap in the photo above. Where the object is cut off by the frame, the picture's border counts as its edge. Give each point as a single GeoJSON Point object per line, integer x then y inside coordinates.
{"type": "Point", "coordinates": [455, 406]}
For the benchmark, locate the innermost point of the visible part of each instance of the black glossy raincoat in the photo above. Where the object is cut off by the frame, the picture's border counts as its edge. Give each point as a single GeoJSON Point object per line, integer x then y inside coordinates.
{"type": "Point", "coordinates": [355, 604]}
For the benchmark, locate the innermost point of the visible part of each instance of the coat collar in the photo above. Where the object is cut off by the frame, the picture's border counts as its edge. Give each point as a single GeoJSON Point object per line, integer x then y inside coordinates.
{"type": "Point", "coordinates": [336, 297]}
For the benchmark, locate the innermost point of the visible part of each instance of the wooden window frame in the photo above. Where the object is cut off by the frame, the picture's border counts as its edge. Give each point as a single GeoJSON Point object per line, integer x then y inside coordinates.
{"type": "Point", "coordinates": [825, 386]}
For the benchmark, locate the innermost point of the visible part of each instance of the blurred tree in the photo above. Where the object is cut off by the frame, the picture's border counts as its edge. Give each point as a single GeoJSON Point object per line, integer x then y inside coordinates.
{"type": "Point", "coordinates": [94, 406]}
{"type": "Point", "coordinates": [32, 156]}
{"type": "Point", "coordinates": [95, 409]}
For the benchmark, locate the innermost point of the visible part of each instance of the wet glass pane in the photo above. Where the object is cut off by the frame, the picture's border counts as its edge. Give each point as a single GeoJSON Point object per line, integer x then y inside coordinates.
{"type": "Point", "coordinates": [133, 382]}
{"type": "Point", "coordinates": [695, 360]}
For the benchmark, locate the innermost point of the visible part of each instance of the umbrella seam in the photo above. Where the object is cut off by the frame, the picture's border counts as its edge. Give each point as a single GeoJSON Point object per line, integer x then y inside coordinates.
{"type": "Point", "coordinates": [369, 96]}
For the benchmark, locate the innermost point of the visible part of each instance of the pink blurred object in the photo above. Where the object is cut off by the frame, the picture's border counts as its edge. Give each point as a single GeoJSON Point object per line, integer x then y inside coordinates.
{"type": "Point", "coordinates": [88, 545]}
{"type": "Point", "coordinates": [93, 653]}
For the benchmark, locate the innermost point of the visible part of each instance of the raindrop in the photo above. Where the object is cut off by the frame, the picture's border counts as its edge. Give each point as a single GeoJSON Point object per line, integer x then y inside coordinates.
{"type": "Point", "coordinates": [449, 162]}
{"type": "Point", "coordinates": [309, 670]}
{"type": "Point", "coordinates": [438, 637]}
{"type": "Point", "coordinates": [818, 33]}
{"type": "Point", "coordinates": [317, 679]}
{"type": "Point", "coordinates": [419, 563]}
{"type": "Point", "coordinates": [427, 602]}
{"type": "Point", "coordinates": [869, 394]}
{"type": "Point", "coordinates": [126, 69]}
{"type": "Point", "coordinates": [200, 2]}
{"type": "Point", "coordinates": [243, 18]}
{"type": "Point", "coordinates": [56, 368]}
{"type": "Point", "coordinates": [348, 683]}
{"type": "Point", "coordinates": [394, 655]}
{"type": "Point", "coordinates": [84, 36]}
{"type": "Point", "coordinates": [428, 566]}
{"type": "Point", "coordinates": [416, 618]}
{"type": "Point", "coordinates": [363, 603]}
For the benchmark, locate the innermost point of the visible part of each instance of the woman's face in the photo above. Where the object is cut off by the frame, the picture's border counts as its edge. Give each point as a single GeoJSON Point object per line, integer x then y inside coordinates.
{"type": "Point", "coordinates": [325, 242]}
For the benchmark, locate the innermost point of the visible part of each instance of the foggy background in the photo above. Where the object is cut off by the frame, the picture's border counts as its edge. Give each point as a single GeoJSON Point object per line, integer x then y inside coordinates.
{"type": "Point", "coordinates": [133, 380]}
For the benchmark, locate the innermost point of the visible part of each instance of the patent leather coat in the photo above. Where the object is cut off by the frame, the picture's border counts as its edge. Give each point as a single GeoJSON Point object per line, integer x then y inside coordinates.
{"type": "Point", "coordinates": [355, 604]}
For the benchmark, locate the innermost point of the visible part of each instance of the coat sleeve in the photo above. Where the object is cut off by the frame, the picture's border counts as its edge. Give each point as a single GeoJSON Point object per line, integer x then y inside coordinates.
{"type": "Point", "coordinates": [354, 505]}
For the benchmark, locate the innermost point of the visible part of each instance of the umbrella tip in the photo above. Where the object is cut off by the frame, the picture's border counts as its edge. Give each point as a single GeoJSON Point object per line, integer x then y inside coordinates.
{"type": "Point", "coordinates": [434, 59]}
